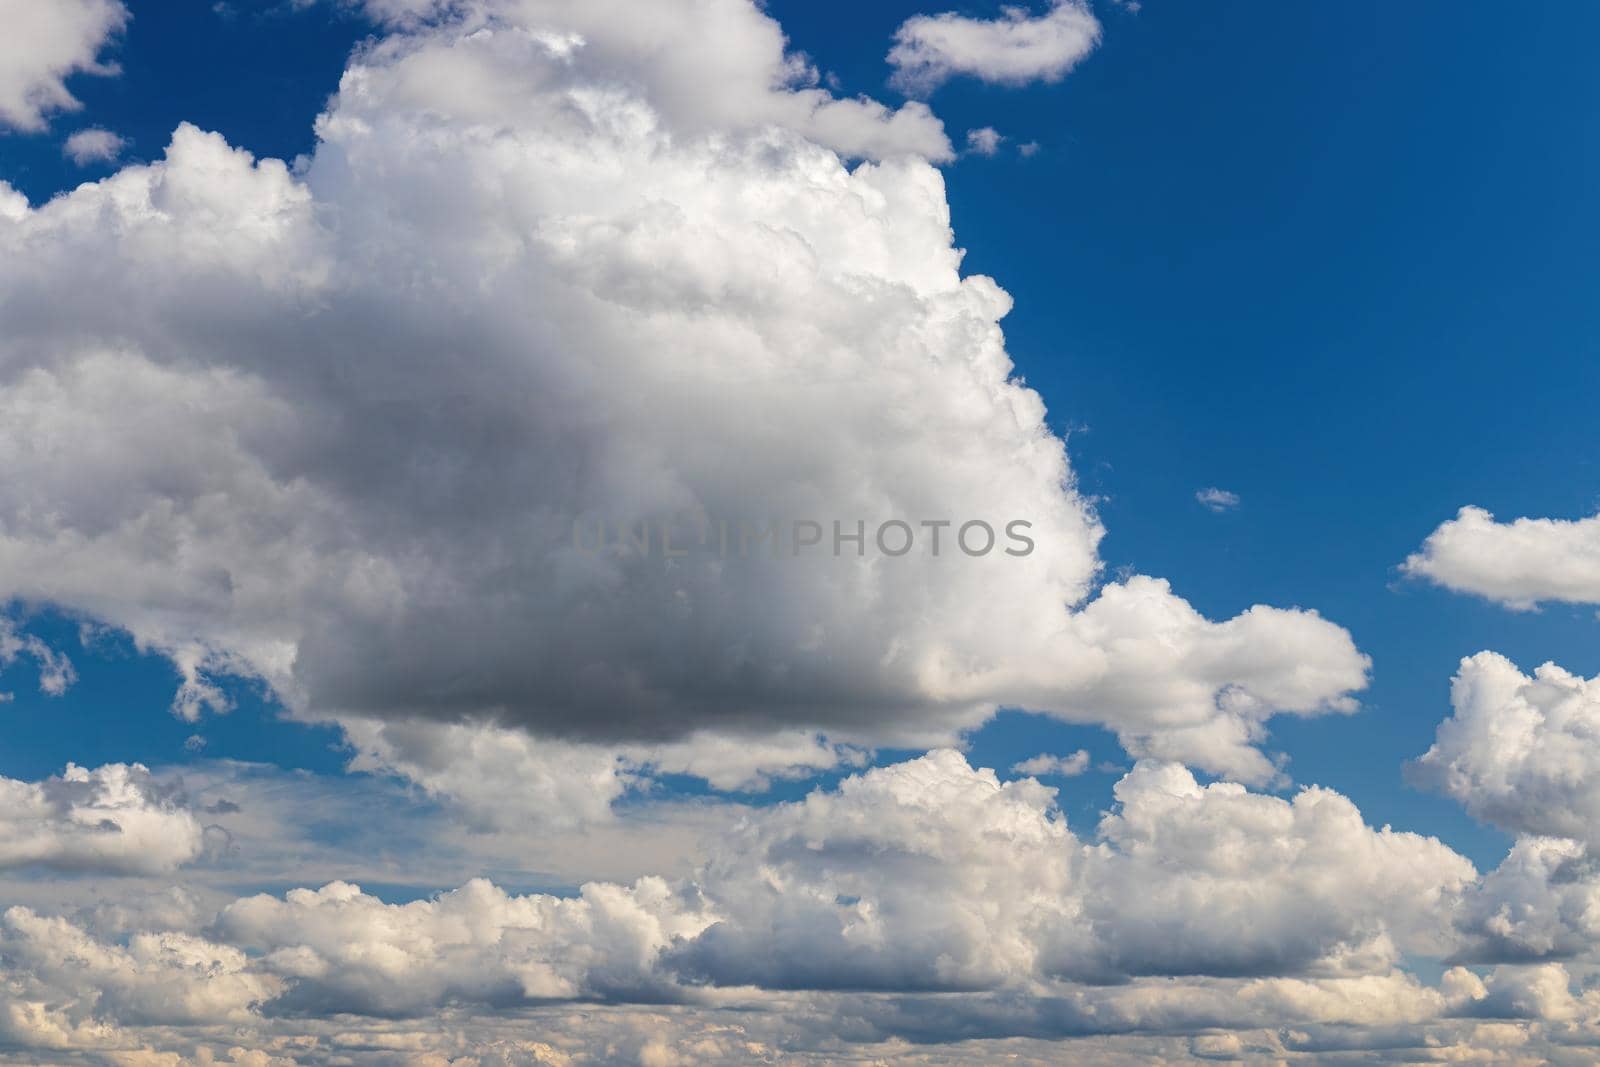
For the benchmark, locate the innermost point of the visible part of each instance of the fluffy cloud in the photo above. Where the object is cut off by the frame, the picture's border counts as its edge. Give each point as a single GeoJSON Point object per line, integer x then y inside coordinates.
{"type": "Point", "coordinates": [1215, 879]}
{"type": "Point", "coordinates": [67, 990]}
{"type": "Point", "coordinates": [1204, 910]}
{"type": "Point", "coordinates": [43, 45]}
{"type": "Point", "coordinates": [112, 819]}
{"type": "Point", "coordinates": [1519, 564]}
{"type": "Point", "coordinates": [93, 145]}
{"type": "Point", "coordinates": [1520, 752]}
{"type": "Point", "coordinates": [348, 952]}
{"type": "Point", "coordinates": [1017, 48]}
{"type": "Point", "coordinates": [333, 428]}
{"type": "Point", "coordinates": [1542, 902]}
{"type": "Point", "coordinates": [922, 876]}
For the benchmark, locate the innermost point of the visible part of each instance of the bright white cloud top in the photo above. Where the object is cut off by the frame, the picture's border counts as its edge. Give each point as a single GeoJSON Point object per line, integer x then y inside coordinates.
{"type": "Point", "coordinates": [1521, 752]}
{"type": "Point", "coordinates": [1205, 908]}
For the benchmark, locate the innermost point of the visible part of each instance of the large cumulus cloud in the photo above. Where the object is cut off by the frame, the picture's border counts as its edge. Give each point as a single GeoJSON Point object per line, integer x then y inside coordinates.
{"type": "Point", "coordinates": [331, 426]}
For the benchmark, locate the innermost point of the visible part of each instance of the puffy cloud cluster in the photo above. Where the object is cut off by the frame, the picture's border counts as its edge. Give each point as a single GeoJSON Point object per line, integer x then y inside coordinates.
{"type": "Point", "coordinates": [841, 924]}
{"type": "Point", "coordinates": [332, 428]}
{"type": "Point", "coordinates": [1520, 752]}
{"type": "Point", "coordinates": [1523, 753]}
{"type": "Point", "coordinates": [347, 951]}
{"type": "Point", "coordinates": [1244, 920]}
{"type": "Point", "coordinates": [43, 44]}
{"type": "Point", "coordinates": [623, 263]}
{"type": "Point", "coordinates": [1542, 902]}
{"type": "Point", "coordinates": [155, 978]}
{"type": "Point", "coordinates": [113, 819]}
{"type": "Point", "coordinates": [1017, 48]}
{"type": "Point", "coordinates": [1193, 879]}
{"type": "Point", "coordinates": [932, 875]}
{"type": "Point", "coordinates": [1518, 563]}
{"type": "Point", "coordinates": [927, 876]}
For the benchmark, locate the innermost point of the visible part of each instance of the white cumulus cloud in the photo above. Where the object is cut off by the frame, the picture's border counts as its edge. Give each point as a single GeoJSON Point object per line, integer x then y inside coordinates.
{"type": "Point", "coordinates": [1518, 564]}
{"type": "Point", "coordinates": [332, 429]}
{"type": "Point", "coordinates": [1521, 752]}
{"type": "Point", "coordinates": [843, 923]}
{"type": "Point", "coordinates": [112, 819]}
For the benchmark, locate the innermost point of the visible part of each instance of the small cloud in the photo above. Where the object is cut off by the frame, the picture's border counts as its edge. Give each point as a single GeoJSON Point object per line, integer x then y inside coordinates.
{"type": "Point", "coordinates": [1028, 149]}
{"type": "Point", "coordinates": [1015, 49]}
{"type": "Point", "coordinates": [93, 145]}
{"type": "Point", "coordinates": [984, 141]}
{"type": "Point", "coordinates": [56, 674]}
{"type": "Point", "coordinates": [194, 743]}
{"type": "Point", "coordinates": [1064, 766]}
{"type": "Point", "coordinates": [1218, 500]}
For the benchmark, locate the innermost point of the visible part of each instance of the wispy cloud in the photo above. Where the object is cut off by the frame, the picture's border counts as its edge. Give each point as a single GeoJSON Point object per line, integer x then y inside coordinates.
{"type": "Point", "coordinates": [1218, 500]}
{"type": "Point", "coordinates": [1065, 766]}
{"type": "Point", "coordinates": [984, 141]}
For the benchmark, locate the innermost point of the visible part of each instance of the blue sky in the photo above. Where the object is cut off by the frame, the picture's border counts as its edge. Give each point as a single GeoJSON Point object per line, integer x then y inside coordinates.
{"type": "Point", "coordinates": [1332, 262]}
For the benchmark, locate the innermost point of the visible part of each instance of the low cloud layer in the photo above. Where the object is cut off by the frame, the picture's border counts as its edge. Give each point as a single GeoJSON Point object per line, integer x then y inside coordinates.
{"type": "Point", "coordinates": [847, 918]}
